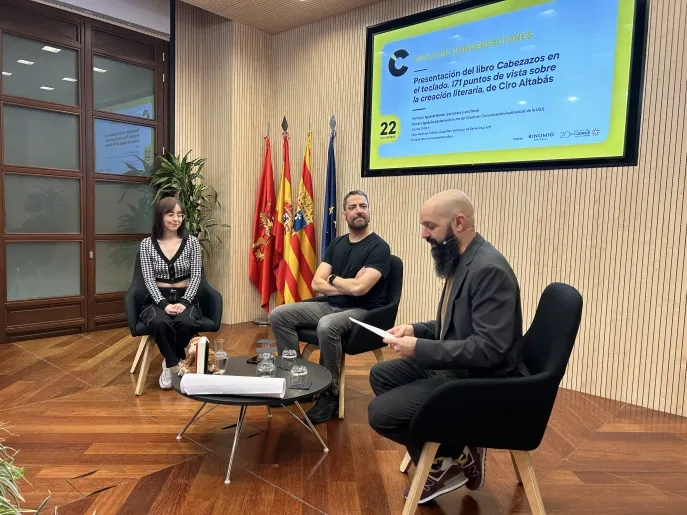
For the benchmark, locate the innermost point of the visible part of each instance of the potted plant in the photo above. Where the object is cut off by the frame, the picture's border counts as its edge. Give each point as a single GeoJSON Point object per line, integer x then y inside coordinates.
{"type": "Point", "coordinates": [10, 475]}
{"type": "Point", "coordinates": [138, 202]}
{"type": "Point", "coordinates": [182, 178]}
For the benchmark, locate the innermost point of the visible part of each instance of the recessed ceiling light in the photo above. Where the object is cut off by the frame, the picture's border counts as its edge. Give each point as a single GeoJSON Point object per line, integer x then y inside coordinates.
{"type": "Point", "coordinates": [99, 70]}
{"type": "Point", "coordinates": [24, 61]}
{"type": "Point", "coordinates": [572, 99]}
{"type": "Point", "coordinates": [69, 79]}
{"type": "Point", "coordinates": [522, 102]}
{"type": "Point", "coordinates": [7, 73]}
{"type": "Point", "coordinates": [51, 49]}
{"type": "Point", "coordinates": [47, 88]}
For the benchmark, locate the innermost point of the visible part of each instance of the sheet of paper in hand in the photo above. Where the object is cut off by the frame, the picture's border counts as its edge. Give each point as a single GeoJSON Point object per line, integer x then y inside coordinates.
{"type": "Point", "coordinates": [376, 330]}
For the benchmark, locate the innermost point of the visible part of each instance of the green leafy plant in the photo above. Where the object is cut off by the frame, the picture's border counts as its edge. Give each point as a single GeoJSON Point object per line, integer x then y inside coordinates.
{"type": "Point", "coordinates": [10, 475]}
{"type": "Point", "coordinates": [134, 171]}
{"type": "Point", "coordinates": [139, 208]}
{"type": "Point", "coordinates": [182, 178]}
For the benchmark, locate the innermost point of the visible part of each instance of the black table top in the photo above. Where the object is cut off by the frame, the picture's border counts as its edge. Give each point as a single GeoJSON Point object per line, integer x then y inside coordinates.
{"type": "Point", "coordinates": [237, 366]}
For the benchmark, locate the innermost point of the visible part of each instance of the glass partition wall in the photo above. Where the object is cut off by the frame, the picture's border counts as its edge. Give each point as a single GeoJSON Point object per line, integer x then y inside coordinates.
{"type": "Point", "coordinates": [82, 117]}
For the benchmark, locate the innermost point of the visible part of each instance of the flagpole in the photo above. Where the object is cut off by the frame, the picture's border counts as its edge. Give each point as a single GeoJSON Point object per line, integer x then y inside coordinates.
{"type": "Point", "coordinates": [263, 320]}
{"type": "Point", "coordinates": [261, 254]}
{"type": "Point", "coordinates": [329, 215]}
{"type": "Point", "coordinates": [283, 223]}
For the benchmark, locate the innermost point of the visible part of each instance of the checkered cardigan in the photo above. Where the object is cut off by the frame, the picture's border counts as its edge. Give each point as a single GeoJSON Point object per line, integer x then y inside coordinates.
{"type": "Point", "coordinates": [185, 264]}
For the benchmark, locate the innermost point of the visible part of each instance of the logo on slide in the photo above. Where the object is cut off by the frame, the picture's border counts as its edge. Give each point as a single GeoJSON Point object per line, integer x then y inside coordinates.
{"type": "Point", "coordinates": [395, 70]}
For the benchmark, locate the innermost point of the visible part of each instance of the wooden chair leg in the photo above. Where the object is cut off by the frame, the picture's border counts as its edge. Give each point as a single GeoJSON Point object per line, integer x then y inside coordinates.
{"type": "Point", "coordinates": [308, 350]}
{"type": "Point", "coordinates": [379, 355]}
{"type": "Point", "coordinates": [405, 464]}
{"type": "Point", "coordinates": [145, 365]}
{"type": "Point", "coordinates": [525, 469]}
{"type": "Point", "coordinates": [139, 351]}
{"type": "Point", "coordinates": [515, 467]}
{"type": "Point", "coordinates": [342, 385]}
{"type": "Point", "coordinates": [429, 451]}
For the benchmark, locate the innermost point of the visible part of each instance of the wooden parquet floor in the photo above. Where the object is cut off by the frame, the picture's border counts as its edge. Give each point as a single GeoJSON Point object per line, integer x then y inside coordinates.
{"type": "Point", "coordinates": [86, 438]}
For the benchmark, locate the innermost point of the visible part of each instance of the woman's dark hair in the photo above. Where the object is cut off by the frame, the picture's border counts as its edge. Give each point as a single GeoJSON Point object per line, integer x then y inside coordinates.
{"type": "Point", "coordinates": [164, 206]}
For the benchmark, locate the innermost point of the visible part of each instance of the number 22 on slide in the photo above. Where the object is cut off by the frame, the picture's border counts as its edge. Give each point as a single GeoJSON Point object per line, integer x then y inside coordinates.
{"type": "Point", "coordinates": [389, 128]}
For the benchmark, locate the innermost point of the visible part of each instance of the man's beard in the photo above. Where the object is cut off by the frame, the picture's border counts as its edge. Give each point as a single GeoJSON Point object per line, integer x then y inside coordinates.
{"type": "Point", "coordinates": [355, 224]}
{"type": "Point", "coordinates": [446, 254]}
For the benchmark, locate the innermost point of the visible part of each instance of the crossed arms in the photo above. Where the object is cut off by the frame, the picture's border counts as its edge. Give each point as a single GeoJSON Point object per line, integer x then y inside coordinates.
{"type": "Point", "coordinates": [362, 283]}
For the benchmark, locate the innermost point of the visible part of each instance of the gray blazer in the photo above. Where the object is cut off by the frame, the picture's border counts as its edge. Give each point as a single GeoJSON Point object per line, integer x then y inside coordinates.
{"type": "Point", "coordinates": [482, 335]}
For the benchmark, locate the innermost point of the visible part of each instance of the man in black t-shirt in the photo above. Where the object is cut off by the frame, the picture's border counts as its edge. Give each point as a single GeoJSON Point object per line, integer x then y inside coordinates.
{"type": "Point", "coordinates": [353, 276]}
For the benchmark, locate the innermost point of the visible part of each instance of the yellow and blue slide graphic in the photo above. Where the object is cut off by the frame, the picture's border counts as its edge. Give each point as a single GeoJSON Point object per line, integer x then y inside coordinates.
{"type": "Point", "coordinates": [510, 81]}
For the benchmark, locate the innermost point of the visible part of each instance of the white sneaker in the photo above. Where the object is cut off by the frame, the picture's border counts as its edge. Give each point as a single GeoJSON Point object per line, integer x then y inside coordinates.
{"type": "Point", "coordinates": [166, 377]}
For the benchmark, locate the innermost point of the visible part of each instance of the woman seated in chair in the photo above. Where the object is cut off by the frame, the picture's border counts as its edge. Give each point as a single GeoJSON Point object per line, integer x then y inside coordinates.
{"type": "Point", "coordinates": [171, 265]}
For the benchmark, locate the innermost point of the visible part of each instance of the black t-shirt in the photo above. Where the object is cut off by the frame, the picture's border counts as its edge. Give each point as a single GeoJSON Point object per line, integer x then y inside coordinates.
{"type": "Point", "coordinates": [348, 258]}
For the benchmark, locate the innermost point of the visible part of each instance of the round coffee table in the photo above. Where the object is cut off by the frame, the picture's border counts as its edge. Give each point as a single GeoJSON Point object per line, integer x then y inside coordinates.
{"type": "Point", "coordinates": [320, 377]}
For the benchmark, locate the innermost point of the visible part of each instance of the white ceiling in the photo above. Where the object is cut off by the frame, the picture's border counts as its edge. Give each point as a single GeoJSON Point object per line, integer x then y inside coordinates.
{"type": "Point", "coordinates": [274, 16]}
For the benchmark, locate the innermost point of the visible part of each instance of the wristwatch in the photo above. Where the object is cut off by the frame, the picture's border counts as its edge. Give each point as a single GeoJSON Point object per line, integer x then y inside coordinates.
{"type": "Point", "coordinates": [331, 278]}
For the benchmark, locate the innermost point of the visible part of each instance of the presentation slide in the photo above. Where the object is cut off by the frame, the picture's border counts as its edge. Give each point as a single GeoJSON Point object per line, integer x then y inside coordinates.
{"type": "Point", "coordinates": [506, 82]}
{"type": "Point", "coordinates": [122, 148]}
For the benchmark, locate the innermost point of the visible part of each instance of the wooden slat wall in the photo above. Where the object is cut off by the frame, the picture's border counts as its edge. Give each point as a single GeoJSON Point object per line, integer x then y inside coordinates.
{"type": "Point", "coordinates": [252, 98]}
{"type": "Point", "coordinates": [222, 98]}
{"type": "Point", "coordinates": [190, 115]}
{"type": "Point", "coordinates": [617, 234]}
{"type": "Point", "coordinates": [203, 107]}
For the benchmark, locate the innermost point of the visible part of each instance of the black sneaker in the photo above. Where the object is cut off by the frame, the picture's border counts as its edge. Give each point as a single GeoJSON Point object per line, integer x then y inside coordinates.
{"type": "Point", "coordinates": [474, 465]}
{"type": "Point", "coordinates": [325, 408]}
{"type": "Point", "coordinates": [445, 476]}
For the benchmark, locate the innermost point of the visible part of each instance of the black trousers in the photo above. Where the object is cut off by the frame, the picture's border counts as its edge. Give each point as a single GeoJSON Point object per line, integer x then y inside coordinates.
{"type": "Point", "coordinates": [401, 386]}
{"type": "Point", "coordinates": [172, 333]}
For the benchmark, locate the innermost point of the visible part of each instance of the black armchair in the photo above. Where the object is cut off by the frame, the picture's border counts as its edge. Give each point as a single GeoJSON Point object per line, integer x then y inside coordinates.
{"type": "Point", "coordinates": [210, 302]}
{"type": "Point", "coordinates": [360, 340]}
{"type": "Point", "coordinates": [504, 413]}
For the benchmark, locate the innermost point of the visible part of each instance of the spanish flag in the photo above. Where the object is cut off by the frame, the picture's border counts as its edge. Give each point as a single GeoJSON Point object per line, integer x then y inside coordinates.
{"type": "Point", "coordinates": [303, 262]}
{"type": "Point", "coordinates": [283, 229]}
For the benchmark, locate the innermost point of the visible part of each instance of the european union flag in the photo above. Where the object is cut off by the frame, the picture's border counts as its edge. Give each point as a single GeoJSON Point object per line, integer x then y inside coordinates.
{"type": "Point", "coordinates": [329, 218]}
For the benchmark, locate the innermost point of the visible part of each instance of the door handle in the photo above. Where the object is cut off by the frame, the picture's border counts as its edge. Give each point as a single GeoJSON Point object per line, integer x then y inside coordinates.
{"type": "Point", "coordinates": [90, 254]}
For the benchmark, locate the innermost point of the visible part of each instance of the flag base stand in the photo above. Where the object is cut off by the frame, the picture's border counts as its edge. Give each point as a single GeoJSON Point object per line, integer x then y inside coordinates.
{"type": "Point", "coordinates": [261, 321]}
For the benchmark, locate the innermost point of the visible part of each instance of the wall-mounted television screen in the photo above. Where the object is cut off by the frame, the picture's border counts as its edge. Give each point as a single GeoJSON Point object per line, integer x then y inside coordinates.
{"type": "Point", "coordinates": [486, 85]}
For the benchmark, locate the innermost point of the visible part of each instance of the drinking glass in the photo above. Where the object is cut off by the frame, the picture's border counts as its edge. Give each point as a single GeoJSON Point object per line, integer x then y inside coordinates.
{"type": "Point", "coordinates": [299, 376]}
{"type": "Point", "coordinates": [220, 356]}
{"type": "Point", "coordinates": [266, 356]}
{"type": "Point", "coordinates": [288, 359]}
{"type": "Point", "coordinates": [265, 368]}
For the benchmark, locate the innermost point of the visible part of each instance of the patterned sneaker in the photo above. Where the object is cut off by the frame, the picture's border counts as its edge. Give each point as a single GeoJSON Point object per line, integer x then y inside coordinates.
{"type": "Point", "coordinates": [445, 476]}
{"type": "Point", "coordinates": [474, 463]}
{"type": "Point", "coordinates": [166, 377]}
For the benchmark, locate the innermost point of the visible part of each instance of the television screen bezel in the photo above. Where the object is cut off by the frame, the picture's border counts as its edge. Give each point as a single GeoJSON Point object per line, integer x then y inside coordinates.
{"type": "Point", "coordinates": [634, 105]}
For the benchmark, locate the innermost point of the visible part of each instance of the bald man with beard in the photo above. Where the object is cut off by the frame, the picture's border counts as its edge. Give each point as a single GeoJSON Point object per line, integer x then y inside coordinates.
{"type": "Point", "coordinates": [476, 333]}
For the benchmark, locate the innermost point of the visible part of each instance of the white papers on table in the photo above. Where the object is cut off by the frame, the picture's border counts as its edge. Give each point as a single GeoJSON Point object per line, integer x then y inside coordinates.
{"type": "Point", "coordinates": [376, 330]}
{"type": "Point", "coordinates": [206, 384]}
